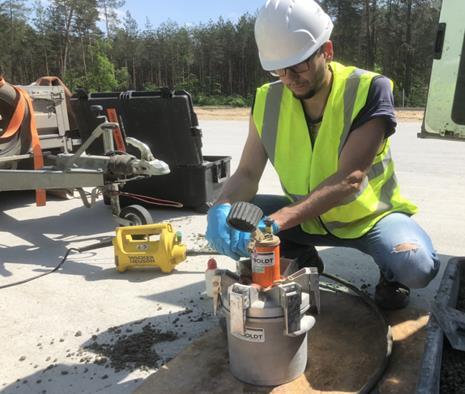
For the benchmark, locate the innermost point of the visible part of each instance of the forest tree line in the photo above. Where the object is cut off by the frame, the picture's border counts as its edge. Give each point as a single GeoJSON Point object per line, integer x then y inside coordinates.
{"type": "Point", "coordinates": [88, 44]}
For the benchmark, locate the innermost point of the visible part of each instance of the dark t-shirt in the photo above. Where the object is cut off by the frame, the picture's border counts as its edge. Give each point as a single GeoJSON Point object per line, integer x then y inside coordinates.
{"type": "Point", "coordinates": [380, 104]}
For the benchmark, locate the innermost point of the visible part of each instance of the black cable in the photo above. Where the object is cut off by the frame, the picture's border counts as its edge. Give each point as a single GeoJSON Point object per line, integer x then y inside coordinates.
{"type": "Point", "coordinates": [201, 252]}
{"type": "Point", "coordinates": [101, 244]}
{"type": "Point", "coordinates": [373, 380]}
{"type": "Point", "coordinates": [41, 275]}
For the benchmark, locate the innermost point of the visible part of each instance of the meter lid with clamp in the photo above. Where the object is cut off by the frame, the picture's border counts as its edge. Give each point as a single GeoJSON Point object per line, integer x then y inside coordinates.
{"type": "Point", "coordinates": [266, 306]}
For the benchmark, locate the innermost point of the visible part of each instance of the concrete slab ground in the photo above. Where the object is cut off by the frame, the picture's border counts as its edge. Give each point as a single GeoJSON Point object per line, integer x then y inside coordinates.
{"type": "Point", "coordinates": [47, 323]}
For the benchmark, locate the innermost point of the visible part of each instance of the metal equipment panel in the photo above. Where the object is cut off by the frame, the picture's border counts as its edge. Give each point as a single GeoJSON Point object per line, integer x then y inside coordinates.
{"type": "Point", "coordinates": [445, 109]}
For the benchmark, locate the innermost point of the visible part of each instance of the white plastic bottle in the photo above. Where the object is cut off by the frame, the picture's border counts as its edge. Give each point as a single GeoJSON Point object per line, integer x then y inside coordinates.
{"type": "Point", "coordinates": [209, 273]}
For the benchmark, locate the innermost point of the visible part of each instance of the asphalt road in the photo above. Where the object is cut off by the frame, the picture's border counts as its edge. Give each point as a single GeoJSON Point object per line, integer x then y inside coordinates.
{"type": "Point", "coordinates": [46, 323]}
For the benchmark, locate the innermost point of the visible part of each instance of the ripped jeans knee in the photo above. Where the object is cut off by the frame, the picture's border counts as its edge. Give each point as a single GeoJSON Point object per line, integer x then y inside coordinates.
{"type": "Point", "coordinates": [402, 249]}
{"type": "Point", "coordinates": [411, 264]}
{"type": "Point", "coordinates": [406, 247]}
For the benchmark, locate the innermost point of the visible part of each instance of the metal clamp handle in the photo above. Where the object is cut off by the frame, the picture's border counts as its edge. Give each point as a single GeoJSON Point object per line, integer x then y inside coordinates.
{"type": "Point", "coordinates": [290, 300]}
{"type": "Point", "coordinates": [239, 302]}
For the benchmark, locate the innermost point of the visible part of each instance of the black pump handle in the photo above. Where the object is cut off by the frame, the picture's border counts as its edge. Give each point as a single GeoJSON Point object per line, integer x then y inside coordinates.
{"type": "Point", "coordinates": [244, 216]}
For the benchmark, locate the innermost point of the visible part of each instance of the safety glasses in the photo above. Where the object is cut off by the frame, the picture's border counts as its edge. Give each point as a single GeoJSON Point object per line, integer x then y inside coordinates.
{"type": "Point", "coordinates": [298, 68]}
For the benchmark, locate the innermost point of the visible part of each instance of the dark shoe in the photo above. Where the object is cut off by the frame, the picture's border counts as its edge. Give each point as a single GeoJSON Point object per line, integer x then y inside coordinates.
{"type": "Point", "coordinates": [391, 295]}
{"type": "Point", "coordinates": [310, 258]}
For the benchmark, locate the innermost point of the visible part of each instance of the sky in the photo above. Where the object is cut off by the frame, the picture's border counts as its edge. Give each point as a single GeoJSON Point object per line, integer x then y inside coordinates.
{"type": "Point", "coordinates": [190, 12]}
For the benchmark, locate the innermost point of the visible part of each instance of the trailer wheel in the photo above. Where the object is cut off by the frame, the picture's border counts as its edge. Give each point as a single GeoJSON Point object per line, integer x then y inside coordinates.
{"type": "Point", "coordinates": [136, 214]}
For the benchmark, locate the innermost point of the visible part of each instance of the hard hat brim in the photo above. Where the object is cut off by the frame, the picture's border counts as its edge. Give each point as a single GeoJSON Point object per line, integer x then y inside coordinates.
{"type": "Point", "coordinates": [271, 65]}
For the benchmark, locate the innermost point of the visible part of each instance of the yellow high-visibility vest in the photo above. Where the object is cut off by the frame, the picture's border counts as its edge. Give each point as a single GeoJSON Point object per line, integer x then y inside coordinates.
{"type": "Point", "coordinates": [301, 167]}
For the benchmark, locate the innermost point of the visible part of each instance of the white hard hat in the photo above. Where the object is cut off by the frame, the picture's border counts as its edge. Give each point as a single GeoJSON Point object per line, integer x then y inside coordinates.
{"type": "Point", "coordinates": [289, 31]}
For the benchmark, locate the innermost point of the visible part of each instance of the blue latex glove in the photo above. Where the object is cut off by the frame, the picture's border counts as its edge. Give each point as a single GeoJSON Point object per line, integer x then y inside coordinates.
{"type": "Point", "coordinates": [274, 226]}
{"type": "Point", "coordinates": [219, 234]}
{"type": "Point", "coordinates": [241, 246]}
{"type": "Point", "coordinates": [225, 239]}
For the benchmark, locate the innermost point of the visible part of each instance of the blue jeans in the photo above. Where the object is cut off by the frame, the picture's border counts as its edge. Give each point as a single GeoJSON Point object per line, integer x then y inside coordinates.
{"type": "Point", "coordinates": [399, 246]}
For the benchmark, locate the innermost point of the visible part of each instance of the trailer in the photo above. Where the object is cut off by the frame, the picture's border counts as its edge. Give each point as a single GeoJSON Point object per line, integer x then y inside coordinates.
{"type": "Point", "coordinates": [35, 128]}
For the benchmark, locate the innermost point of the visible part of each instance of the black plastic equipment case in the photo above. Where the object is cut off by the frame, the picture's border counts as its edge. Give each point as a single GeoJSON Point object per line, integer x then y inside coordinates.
{"type": "Point", "coordinates": [447, 295]}
{"type": "Point", "coordinates": [195, 186]}
{"type": "Point", "coordinates": [164, 119]}
{"type": "Point", "coordinates": [166, 122]}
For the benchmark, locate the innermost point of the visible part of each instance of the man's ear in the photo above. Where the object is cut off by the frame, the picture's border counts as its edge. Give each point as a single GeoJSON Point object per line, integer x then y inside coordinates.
{"type": "Point", "coordinates": [328, 51]}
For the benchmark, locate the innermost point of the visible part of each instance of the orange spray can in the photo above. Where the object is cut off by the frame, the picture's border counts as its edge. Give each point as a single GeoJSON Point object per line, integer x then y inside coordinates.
{"type": "Point", "coordinates": [266, 261]}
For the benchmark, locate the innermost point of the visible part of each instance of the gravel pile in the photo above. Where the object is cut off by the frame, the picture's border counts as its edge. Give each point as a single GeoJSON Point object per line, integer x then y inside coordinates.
{"type": "Point", "coordinates": [131, 351]}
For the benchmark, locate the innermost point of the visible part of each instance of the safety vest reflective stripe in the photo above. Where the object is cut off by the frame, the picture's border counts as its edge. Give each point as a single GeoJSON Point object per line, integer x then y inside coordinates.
{"type": "Point", "coordinates": [271, 118]}
{"type": "Point", "coordinates": [384, 204]}
{"type": "Point", "coordinates": [349, 101]}
{"type": "Point", "coordinates": [375, 171]}
{"type": "Point", "coordinates": [378, 168]}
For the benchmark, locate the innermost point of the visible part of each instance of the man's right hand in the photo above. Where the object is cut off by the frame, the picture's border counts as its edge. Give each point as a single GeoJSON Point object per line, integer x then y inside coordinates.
{"type": "Point", "coordinates": [222, 237]}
